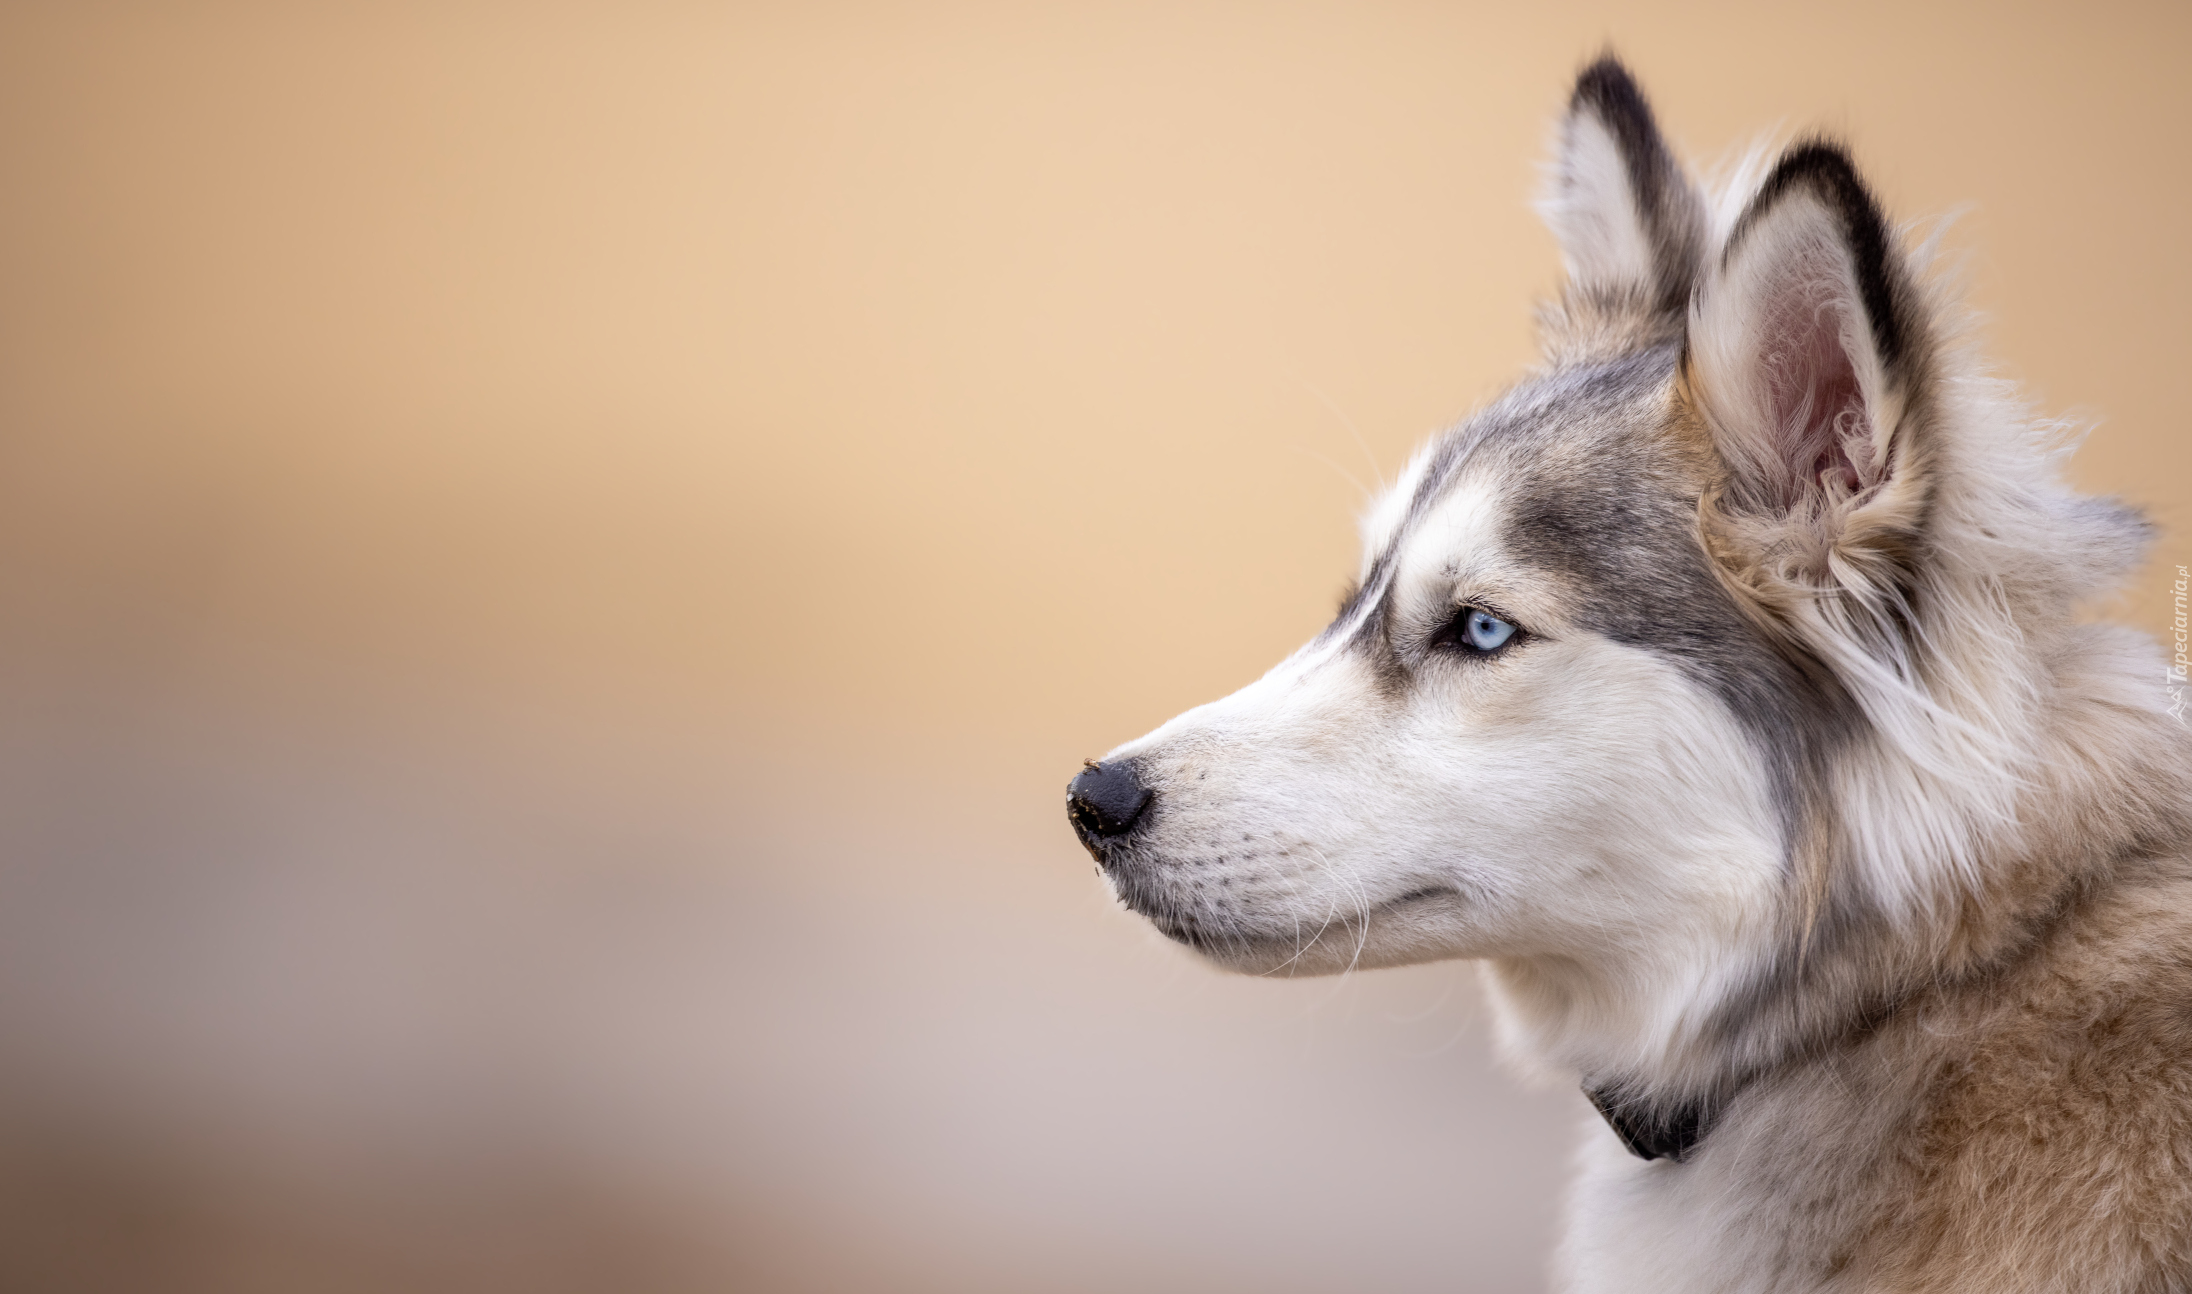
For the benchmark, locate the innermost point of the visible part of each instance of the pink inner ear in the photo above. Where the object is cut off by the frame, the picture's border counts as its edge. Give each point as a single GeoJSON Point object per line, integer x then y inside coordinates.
{"type": "Point", "coordinates": [1815, 404]}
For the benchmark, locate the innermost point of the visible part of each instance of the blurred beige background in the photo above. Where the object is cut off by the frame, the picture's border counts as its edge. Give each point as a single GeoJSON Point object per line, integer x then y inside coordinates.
{"type": "Point", "coordinates": [558, 559]}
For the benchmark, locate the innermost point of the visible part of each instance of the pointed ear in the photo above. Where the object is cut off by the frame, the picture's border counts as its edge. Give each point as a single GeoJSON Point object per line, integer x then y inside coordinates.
{"type": "Point", "coordinates": [1630, 223]}
{"type": "Point", "coordinates": [1806, 358]}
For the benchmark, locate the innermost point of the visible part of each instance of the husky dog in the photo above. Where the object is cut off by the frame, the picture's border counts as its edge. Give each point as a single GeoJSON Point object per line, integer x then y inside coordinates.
{"type": "Point", "coordinates": [1723, 687]}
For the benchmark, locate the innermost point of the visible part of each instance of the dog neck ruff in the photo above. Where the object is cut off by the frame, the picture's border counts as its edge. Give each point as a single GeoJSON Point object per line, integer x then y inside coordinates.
{"type": "Point", "coordinates": [1651, 1131]}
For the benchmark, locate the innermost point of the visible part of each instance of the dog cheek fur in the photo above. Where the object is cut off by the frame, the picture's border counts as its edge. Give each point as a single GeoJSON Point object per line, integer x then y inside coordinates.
{"type": "Point", "coordinates": [1652, 882]}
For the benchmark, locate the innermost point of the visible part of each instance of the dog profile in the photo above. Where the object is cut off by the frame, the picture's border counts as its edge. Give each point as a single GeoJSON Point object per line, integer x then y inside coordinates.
{"type": "Point", "coordinates": [1727, 688]}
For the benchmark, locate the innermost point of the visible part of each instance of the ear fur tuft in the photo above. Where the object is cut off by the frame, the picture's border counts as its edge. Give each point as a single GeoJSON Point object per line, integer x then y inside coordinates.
{"type": "Point", "coordinates": [1807, 358]}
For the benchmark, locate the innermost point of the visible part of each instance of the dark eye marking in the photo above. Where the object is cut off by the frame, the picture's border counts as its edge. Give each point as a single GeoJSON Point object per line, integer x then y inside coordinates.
{"type": "Point", "coordinates": [1474, 631]}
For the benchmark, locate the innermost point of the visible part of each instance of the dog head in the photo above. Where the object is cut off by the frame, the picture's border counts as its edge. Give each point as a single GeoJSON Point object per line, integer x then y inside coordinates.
{"type": "Point", "coordinates": [1642, 655]}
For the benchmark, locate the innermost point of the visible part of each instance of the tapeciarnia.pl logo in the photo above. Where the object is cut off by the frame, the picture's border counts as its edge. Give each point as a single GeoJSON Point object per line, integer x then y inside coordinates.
{"type": "Point", "coordinates": [2178, 663]}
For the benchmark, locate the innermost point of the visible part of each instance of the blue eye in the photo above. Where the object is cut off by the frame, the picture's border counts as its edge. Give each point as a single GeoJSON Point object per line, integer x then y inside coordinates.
{"type": "Point", "coordinates": [1483, 631]}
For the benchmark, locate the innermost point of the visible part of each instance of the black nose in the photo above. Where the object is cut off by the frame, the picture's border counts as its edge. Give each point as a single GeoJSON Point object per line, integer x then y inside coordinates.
{"type": "Point", "coordinates": [1106, 800]}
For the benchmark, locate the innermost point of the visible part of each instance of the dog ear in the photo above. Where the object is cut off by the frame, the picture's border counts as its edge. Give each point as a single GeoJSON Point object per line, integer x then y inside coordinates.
{"type": "Point", "coordinates": [1805, 358]}
{"type": "Point", "coordinates": [1630, 223]}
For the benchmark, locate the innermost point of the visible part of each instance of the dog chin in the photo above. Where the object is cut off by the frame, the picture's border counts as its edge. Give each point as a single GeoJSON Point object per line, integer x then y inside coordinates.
{"type": "Point", "coordinates": [1417, 927]}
